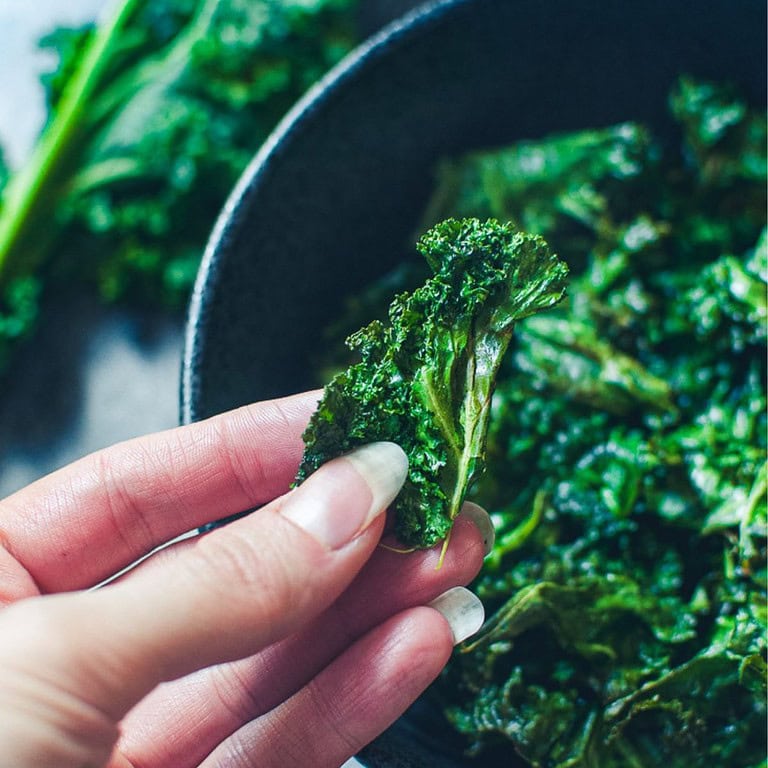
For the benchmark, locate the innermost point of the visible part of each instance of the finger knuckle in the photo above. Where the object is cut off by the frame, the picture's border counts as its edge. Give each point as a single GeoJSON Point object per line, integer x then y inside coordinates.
{"type": "Point", "coordinates": [234, 566]}
{"type": "Point", "coordinates": [334, 718]}
{"type": "Point", "coordinates": [40, 682]}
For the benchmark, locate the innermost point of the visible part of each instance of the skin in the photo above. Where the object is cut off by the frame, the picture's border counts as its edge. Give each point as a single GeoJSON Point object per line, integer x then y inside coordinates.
{"type": "Point", "coordinates": [256, 644]}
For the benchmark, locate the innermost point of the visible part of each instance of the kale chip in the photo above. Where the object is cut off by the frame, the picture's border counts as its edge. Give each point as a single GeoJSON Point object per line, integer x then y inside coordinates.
{"type": "Point", "coordinates": [426, 379]}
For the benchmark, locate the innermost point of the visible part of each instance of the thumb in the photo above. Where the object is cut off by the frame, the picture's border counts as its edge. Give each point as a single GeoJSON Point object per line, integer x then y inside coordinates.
{"type": "Point", "coordinates": [74, 664]}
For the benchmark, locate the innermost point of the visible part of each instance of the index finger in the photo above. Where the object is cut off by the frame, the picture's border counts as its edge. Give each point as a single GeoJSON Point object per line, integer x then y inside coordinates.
{"type": "Point", "coordinates": [81, 524]}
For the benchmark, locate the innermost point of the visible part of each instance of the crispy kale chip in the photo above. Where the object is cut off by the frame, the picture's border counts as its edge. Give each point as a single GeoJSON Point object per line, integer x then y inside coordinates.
{"type": "Point", "coordinates": [426, 379]}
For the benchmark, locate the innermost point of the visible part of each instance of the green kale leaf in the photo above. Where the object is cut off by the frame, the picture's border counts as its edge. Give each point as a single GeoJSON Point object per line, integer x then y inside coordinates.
{"type": "Point", "coordinates": [153, 115]}
{"type": "Point", "coordinates": [426, 379]}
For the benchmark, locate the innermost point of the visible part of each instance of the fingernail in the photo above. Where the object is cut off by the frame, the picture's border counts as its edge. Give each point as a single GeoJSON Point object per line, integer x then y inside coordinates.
{"type": "Point", "coordinates": [462, 610]}
{"type": "Point", "coordinates": [483, 523]}
{"type": "Point", "coordinates": [334, 506]}
{"type": "Point", "coordinates": [384, 466]}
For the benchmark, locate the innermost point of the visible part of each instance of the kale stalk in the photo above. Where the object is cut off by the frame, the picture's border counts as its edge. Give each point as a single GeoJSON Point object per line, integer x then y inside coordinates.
{"type": "Point", "coordinates": [425, 380]}
{"type": "Point", "coordinates": [152, 116]}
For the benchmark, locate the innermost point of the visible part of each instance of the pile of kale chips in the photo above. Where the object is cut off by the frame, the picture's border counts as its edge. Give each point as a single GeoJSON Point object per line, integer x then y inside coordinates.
{"type": "Point", "coordinates": [625, 460]}
{"type": "Point", "coordinates": [627, 451]}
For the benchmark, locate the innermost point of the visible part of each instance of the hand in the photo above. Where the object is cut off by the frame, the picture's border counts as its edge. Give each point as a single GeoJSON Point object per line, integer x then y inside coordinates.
{"type": "Point", "coordinates": [286, 638]}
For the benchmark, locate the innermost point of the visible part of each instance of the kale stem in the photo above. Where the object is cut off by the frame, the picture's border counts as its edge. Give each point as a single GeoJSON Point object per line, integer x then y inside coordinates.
{"type": "Point", "coordinates": [444, 550]}
{"type": "Point", "coordinates": [32, 189]}
{"type": "Point", "coordinates": [523, 530]}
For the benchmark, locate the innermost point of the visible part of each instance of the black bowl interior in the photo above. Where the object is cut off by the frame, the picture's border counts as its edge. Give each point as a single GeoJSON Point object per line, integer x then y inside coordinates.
{"type": "Point", "coordinates": [332, 199]}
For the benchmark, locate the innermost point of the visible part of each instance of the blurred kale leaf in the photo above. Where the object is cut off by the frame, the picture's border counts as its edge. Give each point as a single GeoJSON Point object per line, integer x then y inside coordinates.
{"type": "Point", "coordinates": [153, 115]}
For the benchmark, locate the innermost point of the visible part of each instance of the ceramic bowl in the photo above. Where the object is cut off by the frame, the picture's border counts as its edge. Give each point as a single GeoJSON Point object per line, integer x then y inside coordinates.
{"type": "Point", "coordinates": [332, 200]}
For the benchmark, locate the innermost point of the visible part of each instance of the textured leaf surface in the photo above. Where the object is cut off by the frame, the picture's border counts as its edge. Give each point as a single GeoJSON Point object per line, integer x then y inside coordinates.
{"type": "Point", "coordinates": [426, 377]}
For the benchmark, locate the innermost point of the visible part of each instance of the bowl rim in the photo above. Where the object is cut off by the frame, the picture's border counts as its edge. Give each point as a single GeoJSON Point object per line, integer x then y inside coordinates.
{"type": "Point", "coordinates": [362, 55]}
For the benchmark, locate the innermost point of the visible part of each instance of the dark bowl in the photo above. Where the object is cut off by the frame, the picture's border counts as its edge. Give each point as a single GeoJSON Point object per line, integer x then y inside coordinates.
{"type": "Point", "coordinates": [332, 199]}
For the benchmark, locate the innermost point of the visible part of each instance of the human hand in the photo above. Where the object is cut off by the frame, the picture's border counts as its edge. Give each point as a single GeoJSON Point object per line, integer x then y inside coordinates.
{"type": "Point", "coordinates": [286, 638]}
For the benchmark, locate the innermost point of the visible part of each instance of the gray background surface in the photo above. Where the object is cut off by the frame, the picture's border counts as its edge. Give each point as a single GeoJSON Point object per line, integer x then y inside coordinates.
{"type": "Point", "coordinates": [93, 376]}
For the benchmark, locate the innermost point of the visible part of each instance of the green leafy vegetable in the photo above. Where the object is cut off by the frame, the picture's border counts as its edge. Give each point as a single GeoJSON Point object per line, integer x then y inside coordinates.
{"type": "Point", "coordinates": [426, 379]}
{"type": "Point", "coordinates": [626, 453]}
{"type": "Point", "coordinates": [152, 117]}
